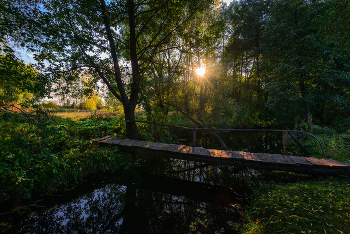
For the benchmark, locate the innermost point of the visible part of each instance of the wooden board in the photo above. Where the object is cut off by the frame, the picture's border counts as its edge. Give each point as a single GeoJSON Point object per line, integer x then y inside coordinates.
{"type": "Point", "coordinates": [170, 147]}
{"type": "Point", "coordinates": [205, 152]}
{"type": "Point", "coordinates": [300, 160]}
{"type": "Point", "coordinates": [237, 154]}
{"type": "Point", "coordinates": [196, 150]}
{"type": "Point", "coordinates": [256, 157]}
{"type": "Point", "coordinates": [265, 158]}
{"type": "Point", "coordinates": [177, 148]}
{"type": "Point", "coordinates": [157, 146]}
{"type": "Point", "coordinates": [289, 161]}
{"type": "Point", "coordinates": [186, 150]}
{"type": "Point", "coordinates": [140, 143]}
{"type": "Point", "coordinates": [248, 156]}
{"type": "Point", "coordinates": [126, 142]}
{"type": "Point", "coordinates": [215, 153]}
{"type": "Point", "coordinates": [336, 163]}
{"type": "Point", "coordinates": [280, 158]}
{"type": "Point", "coordinates": [318, 162]}
{"type": "Point", "coordinates": [226, 154]}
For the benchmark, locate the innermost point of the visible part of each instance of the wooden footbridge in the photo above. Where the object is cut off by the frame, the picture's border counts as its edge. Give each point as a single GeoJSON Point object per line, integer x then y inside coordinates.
{"type": "Point", "coordinates": [307, 165]}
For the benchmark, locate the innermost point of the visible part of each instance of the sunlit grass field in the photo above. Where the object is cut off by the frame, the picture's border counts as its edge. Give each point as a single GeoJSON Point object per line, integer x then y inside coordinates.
{"type": "Point", "coordinates": [84, 114]}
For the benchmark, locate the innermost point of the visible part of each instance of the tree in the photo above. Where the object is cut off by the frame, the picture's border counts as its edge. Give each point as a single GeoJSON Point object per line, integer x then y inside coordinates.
{"type": "Point", "coordinates": [301, 61]}
{"type": "Point", "coordinates": [111, 40]}
{"type": "Point", "coordinates": [89, 104]}
{"type": "Point", "coordinates": [19, 83]}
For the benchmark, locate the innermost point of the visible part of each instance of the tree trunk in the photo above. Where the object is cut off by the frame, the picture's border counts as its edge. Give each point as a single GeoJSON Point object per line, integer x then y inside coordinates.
{"type": "Point", "coordinates": [132, 131]}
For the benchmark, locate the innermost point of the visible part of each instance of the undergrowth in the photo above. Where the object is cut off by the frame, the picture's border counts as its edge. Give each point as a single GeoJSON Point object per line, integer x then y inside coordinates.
{"type": "Point", "coordinates": [44, 153]}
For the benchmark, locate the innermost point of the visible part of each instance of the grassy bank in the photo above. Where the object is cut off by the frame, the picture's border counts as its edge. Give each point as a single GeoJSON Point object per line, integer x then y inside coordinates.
{"type": "Point", "coordinates": [307, 206]}
{"type": "Point", "coordinates": [46, 153]}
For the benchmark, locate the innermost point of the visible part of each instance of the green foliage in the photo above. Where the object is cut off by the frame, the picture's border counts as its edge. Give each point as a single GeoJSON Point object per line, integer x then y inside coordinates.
{"type": "Point", "coordinates": [19, 83]}
{"type": "Point", "coordinates": [89, 104]}
{"type": "Point", "coordinates": [321, 206]}
{"type": "Point", "coordinates": [44, 153]}
{"type": "Point", "coordinates": [49, 105]}
{"type": "Point", "coordinates": [336, 145]}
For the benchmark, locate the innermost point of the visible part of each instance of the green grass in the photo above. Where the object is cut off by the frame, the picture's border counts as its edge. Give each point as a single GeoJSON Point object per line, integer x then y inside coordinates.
{"type": "Point", "coordinates": [321, 206]}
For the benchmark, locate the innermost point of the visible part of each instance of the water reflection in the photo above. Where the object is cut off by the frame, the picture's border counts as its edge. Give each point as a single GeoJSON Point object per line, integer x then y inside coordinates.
{"type": "Point", "coordinates": [148, 196]}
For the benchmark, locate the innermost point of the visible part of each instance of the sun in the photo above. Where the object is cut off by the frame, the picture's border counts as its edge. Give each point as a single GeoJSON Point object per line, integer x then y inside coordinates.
{"type": "Point", "coordinates": [200, 71]}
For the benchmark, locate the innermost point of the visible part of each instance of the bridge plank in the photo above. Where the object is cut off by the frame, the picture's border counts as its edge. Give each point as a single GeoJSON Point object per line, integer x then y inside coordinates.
{"type": "Point", "coordinates": [285, 159]}
{"type": "Point", "coordinates": [237, 154]}
{"type": "Point", "coordinates": [139, 143]}
{"type": "Point", "coordinates": [126, 142]}
{"type": "Point", "coordinates": [216, 153]}
{"type": "Point", "coordinates": [334, 163]}
{"type": "Point", "coordinates": [318, 162]}
{"type": "Point", "coordinates": [277, 158]}
{"type": "Point", "coordinates": [205, 152]}
{"type": "Point", "coordinates": [157, 146]}
{"type": "Point", "coordinates": [300, 160]}
{"type": "Point", "coordinates": [177, 148]}
{"type": "Point", "coordinates": [170, 147]}
{"type": "Point", "coordinates": [226, 154]}
{"type": "Point", "coordinates": [265, 158]}
{"type": "Point", "coordinates": [289, 161]}
{"type": "Point", "coordinates": [256, 157]}
{"type": "Point", "coordinates": [149, 144]}
{"type": "Point", "coordinates": [186, 150]}
{"type": "Point", "coordinates": [113, 140]}
{"type": "Point", "coordinates": [102, 139]}
{"type": "Point", "coordinates": [247, 156]}
{"type": "Point", "coordinates": [197, 150]}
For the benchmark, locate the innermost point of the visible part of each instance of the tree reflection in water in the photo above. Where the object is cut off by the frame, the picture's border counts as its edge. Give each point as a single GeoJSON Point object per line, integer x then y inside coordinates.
{"type": "Point", "coordinates": [156, 196]}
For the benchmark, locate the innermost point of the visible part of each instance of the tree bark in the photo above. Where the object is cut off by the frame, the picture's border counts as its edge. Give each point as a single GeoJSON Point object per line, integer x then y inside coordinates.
{"type": "Point", "coordinates": [132, 132]}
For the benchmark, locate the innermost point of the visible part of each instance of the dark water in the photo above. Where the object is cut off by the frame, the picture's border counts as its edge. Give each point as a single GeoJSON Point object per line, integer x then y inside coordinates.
{"type": "Point", "coordinates": [147, 196]}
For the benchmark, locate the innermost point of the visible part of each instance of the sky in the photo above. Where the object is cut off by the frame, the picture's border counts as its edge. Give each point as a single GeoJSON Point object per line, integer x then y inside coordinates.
{"type": "Point", "coordinates": [227, 1]}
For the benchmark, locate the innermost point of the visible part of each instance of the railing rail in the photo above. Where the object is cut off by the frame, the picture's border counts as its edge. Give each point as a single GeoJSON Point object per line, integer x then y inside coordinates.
{"type": "Point", "coordinates": [229, 129]}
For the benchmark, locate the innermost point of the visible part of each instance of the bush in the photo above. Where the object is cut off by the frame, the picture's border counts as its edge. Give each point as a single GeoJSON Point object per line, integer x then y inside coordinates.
{"type": "Point", "coordinates": [49, 105]}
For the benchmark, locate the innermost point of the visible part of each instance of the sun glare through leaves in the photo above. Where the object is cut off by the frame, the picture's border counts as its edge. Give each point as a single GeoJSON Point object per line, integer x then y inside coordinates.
{"type": "Point", "coordinates": [200, 71]}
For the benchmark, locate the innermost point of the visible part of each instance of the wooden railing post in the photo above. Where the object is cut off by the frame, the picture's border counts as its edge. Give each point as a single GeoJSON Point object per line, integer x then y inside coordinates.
{"type": "Point", "coordinates": [194, 137]}
{"type": "Point", "coordinates": [284, 134]}
{"type": "Point", "coordinates": [155, 133]}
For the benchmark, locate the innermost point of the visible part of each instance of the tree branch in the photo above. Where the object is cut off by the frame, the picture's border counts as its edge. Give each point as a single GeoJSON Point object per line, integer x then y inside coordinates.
{"type": "Point", "coordinates": [114, 54]}
{"type": "Point", "coordinates": [105, 80]}
{"type": "Point", "coordinates": [217, 137]}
